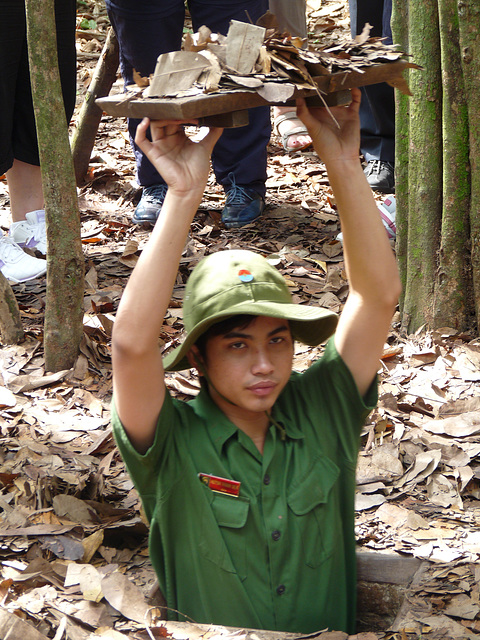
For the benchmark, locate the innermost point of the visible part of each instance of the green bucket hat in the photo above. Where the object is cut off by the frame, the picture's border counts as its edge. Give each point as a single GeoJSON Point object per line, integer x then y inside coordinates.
{"type": "Point", "coordinates": [230, 283]}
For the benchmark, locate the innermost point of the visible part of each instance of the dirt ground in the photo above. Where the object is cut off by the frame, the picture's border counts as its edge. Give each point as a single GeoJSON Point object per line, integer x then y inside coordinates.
{"type": "Point", "coordinates": [73, 541]}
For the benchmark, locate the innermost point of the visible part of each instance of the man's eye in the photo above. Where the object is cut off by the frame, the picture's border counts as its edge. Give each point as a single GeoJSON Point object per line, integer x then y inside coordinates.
{"type": "Point", "coordinates": [237, 345]}
{"type": "Point", "coordinates": [277, 339]}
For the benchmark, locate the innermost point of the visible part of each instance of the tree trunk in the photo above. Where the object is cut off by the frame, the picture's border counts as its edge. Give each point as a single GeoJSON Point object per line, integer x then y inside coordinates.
{"type": "Point", "coordinates": [402, 116]}
{"type": "Point", "coordinates": [452, 300]}
{"type": "Point", "coordinates": [438, 186]}
{"type": "Point", "coordinates": [11, 331]}
{"type": "Point", "coordinates": [469, 28]}
{"type": "Point", "coordinates": [90, 114]}
{"type": "Point", "coordinates": [424, 169]}
{"type": "Point", "coordinates": [65, 263]}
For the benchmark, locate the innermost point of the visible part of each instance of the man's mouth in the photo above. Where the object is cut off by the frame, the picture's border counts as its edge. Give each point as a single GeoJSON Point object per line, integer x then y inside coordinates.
{"type": "Point", "coordinates": [261, 389]}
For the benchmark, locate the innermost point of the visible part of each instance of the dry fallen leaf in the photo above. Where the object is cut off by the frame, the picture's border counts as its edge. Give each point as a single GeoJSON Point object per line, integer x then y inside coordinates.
{"type": "Point", "coordinates": [124, 596]}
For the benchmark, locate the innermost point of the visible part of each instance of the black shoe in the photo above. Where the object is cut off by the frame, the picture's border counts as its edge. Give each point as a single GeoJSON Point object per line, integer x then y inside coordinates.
{"type": "Point", "coordinates": [243, 205]}
{"type": "Point", "coordinates": [150, 205]}
{"type": "Point", "coordinates": [380, 176]}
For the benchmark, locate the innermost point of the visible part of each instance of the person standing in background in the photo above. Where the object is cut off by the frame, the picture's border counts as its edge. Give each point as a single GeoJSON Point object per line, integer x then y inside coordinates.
{"type": "Point", "coordinates": [149, 28]}
{"type": "Point", "coordinates": [291, 17]}
{"type": "Point", "coordinates": [19, 158]}
{"type": "Point", "coordinates": [377, 109]}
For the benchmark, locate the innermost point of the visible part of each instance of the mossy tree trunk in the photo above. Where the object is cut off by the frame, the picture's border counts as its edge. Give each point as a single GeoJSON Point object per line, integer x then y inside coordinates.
{"type": "Point", "coordinates": [65, 263]}
{"type": "Point", "coordinates": [469, 32]}
{"type": "Point", "coordinates": [452, 295]}
{"type": "Point", "coordinates": [438, 133]}
{"type": "Point", "coordinates": [400, 19]}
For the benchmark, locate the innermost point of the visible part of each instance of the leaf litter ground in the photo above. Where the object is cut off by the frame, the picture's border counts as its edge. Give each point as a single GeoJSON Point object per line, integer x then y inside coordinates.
{"type": "Point", "coordinates": [74, 559]}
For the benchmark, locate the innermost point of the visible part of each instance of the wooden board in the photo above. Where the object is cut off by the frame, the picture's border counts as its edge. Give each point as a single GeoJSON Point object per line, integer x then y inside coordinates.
{"type": "Point", "coordinates": [333, 87]}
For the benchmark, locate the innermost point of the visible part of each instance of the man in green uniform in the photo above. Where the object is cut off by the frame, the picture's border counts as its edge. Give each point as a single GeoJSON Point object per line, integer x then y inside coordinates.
{"type": "Point", "coordinates": [249, 488]}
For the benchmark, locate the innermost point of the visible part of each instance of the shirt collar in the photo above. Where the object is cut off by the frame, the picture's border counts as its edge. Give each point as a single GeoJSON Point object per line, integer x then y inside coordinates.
{"type": "Point", "coordinates": [220, 428]}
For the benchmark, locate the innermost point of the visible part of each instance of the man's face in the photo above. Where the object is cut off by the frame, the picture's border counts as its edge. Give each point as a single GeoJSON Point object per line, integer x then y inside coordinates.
{"type": "Point", "coordinates": [250, 366]}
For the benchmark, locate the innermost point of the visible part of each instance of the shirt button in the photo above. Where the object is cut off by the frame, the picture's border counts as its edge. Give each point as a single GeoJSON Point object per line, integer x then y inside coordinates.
{"type": "Point", "coordinates": [281, 589]}
{"type": "Point", "coordinates": [276, 535]}
{"type": "Point", "coordinates": [266, 479]}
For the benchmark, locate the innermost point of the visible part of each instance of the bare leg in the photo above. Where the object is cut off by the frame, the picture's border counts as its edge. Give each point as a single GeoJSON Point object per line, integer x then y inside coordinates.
{"type": "Point", "coordinates": [25, 189]}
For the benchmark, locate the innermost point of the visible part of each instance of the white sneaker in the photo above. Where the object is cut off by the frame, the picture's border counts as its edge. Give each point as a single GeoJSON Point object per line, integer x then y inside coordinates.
{"type": "Point", "coordinates": [31, 233]}
{"type": "Point", "coordinates": [387, 211]}
{"type": "Point", "coordinates": [16, 265]}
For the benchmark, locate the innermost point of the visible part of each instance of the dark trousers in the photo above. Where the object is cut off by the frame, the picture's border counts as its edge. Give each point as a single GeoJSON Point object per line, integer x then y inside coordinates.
{"type": "Point", "coordinates": [147, 29]}
{"type": "Point", "coordinates": [18, 134]}
{"type": "Point", "coordinates": [377, 110]}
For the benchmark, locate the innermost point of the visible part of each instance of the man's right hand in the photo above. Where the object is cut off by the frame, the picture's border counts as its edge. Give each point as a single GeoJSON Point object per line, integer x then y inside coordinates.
{"type": "Point", "coordinates": [182, 163]}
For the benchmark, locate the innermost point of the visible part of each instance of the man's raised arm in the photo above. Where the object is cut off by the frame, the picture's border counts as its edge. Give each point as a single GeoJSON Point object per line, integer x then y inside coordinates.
{"type": "Point", "coordinates": [138, 375]}
{"type": "Point", "coordinates": [374, 284]}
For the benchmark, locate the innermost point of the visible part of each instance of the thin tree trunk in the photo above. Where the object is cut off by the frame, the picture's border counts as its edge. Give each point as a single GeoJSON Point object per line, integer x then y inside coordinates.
{"type": "Point", "coordinates": [452, 301]}
{"type": "Point", "coordinates": [469, 27]}
{"type": "Point", "coordinates": [424, 166]}
{"type": "Point", "coordinates": [11, 331]}
{"type": "Point", "coordinates": [90, 114]}
{"type": "Point", "coordinates": [65, 263]}
{"type": "Point", "coordinates": [402, 124]}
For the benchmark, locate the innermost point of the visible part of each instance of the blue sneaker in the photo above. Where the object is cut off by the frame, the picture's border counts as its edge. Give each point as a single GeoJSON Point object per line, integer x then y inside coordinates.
{"type": "Point", "coordinates": [150, 205]}
{"type": "Point", "coordinates": [243, 205]}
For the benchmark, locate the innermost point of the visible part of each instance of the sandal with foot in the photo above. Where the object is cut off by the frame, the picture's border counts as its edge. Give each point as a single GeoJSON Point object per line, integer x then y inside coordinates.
{"type": "Point", "coordinates": [291, 116]}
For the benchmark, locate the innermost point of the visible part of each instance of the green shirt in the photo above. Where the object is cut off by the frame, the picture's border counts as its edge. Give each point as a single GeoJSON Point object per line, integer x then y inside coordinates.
{"type": "Point", "coordinates": [281, 556]}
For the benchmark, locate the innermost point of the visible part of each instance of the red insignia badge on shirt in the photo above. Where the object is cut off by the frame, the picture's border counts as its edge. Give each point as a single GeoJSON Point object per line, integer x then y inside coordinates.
{"type": "Point", "coordinates": [221, 485]}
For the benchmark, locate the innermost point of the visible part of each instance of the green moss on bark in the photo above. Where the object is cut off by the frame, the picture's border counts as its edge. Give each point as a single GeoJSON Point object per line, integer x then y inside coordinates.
{"type": "Point", "coordinates": [438, 164]}
{"type": "Point", "coordinates": [469, 45]}
{"type": "Point", "coordinates": [424, 165]}
{"type": "Point", "coordinates": [452, 302]}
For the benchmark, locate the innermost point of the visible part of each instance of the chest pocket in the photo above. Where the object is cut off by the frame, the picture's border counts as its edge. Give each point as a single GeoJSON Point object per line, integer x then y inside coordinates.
{"type": "Point", "coordinates": [223, 537]}
{"type": "Point", "coordinates": [317, 517]}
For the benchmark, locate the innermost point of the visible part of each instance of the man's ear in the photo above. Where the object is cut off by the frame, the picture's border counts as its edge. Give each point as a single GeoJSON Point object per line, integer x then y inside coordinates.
{"type": "Point", "coordinates": [195, 359]}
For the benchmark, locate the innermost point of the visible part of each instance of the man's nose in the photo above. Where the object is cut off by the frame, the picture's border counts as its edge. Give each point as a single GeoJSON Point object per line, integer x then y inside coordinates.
{"type": "Point", "coordinates": [262, 362]}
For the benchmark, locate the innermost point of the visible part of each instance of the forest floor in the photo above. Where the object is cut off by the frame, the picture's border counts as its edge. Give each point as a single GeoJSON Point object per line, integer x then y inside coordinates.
{"type": "Point", "coordinates": [73, 541]}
